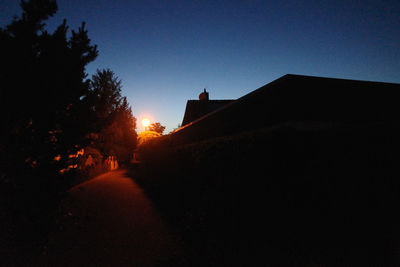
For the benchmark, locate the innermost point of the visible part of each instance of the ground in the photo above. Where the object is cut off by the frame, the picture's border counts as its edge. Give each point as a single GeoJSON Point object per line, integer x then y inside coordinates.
{"type": "Point", "coordinates": [109, 221]}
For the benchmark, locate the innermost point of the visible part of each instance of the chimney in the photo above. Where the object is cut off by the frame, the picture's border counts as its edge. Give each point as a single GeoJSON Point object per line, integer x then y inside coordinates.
{"type": "Point", "coordinates": [204, 96]}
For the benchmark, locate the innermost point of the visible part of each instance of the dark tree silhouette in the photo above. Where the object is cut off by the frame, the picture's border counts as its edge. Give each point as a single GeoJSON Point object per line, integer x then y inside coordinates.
{"type": "Point", "coordinates": [156, 127]}
{"type": "Point", "coordinates": [106, 89]}
{"type": "Point", "coordinates": [44, 110]}
{"type": "Point", "coordinates": [116, 134]}
{"type": "Point", "coordinates": [44, 104]}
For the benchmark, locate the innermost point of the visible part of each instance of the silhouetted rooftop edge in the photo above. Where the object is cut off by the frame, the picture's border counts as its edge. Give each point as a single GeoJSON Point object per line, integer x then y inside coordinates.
{"type": "Point", "coordinates": [299, 98]}
{"type": "Point", "coordinates": [196, 109]}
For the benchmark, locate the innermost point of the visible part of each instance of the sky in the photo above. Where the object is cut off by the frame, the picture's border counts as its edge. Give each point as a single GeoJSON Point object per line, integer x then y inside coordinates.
{"type": "Point", "coordinates": [166, 52]}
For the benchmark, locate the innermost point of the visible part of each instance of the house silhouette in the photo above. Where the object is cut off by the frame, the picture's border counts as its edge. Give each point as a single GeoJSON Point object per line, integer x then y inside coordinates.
{"type": "Point", "coordinates": [198, 108]}
{"type": "Point", "coordinates": [301, 171]}
{"type": "Point", "coordinates": [293, 99]}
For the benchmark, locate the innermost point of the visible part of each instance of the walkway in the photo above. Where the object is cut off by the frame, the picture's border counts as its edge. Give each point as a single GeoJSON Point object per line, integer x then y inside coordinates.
{"type": "Point", "coordinates": [108, 221]}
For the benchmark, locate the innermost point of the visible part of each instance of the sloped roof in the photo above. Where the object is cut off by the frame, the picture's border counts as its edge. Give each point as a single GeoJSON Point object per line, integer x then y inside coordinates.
{"type": "Point", "coordinates": [198, 108]}
{"type": "Point", "coordinates": [294, 98]}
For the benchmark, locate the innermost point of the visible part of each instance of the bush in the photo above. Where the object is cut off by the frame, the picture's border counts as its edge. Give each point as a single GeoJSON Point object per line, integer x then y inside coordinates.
{"type": "Point", "coordinates": [289, 194]}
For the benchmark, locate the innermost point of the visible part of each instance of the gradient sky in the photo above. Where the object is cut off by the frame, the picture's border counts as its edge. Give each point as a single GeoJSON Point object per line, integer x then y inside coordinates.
{"type": "Point", "coordinates": [166, 52]}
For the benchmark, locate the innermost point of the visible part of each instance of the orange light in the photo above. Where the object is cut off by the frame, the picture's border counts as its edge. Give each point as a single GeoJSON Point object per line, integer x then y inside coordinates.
{"type": "Point", "coordinates": [145, 122]}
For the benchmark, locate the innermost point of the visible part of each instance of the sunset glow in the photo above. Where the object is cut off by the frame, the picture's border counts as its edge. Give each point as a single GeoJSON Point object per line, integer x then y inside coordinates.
{"type": "Point", "coordinates": [145, 122]}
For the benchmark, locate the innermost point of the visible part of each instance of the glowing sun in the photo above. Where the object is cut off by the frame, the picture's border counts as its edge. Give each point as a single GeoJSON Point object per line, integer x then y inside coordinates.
{"type": "Point", "coordinates": [145, 122]}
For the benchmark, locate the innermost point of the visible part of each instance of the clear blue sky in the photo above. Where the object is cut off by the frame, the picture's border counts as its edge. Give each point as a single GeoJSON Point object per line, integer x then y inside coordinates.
{"type": "Point", "coordinates": [166, 52]}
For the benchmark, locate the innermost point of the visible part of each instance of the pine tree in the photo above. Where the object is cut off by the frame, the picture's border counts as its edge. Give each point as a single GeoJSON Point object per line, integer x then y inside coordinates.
{"type": "Point", "coordinates": [116, 134]}
{"type": "Point", "coordinates": [44, 107]}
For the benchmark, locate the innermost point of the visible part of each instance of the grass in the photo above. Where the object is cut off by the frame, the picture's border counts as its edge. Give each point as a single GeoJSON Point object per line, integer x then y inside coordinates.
{"type": "Point", "coordinates": [291, 194]}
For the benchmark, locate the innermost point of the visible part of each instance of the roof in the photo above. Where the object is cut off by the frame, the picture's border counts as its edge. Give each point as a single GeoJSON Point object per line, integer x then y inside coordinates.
{"type": "Point", "coordinates": [294, 98]}
{"type": "Point", "coordinates": [198, 108]}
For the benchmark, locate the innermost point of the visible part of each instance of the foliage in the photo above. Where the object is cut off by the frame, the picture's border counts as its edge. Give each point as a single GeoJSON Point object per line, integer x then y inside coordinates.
{"type": "Point", "coordinates": [146, 136]}
{"type": "Point", "coordinates": [115, 132]}
{"type": "Point", "coordinates": [156, 127]}
{"type": "Point", "coordinates": [44, 112]}
{"type": "Point", "coordinates": [286, 194]}
{"type": "Point", "coordinates": [44, 87]}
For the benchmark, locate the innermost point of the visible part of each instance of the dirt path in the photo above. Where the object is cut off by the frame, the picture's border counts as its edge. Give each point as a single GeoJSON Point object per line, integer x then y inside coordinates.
{"type": "Point", "coordinates": [108, 221]}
